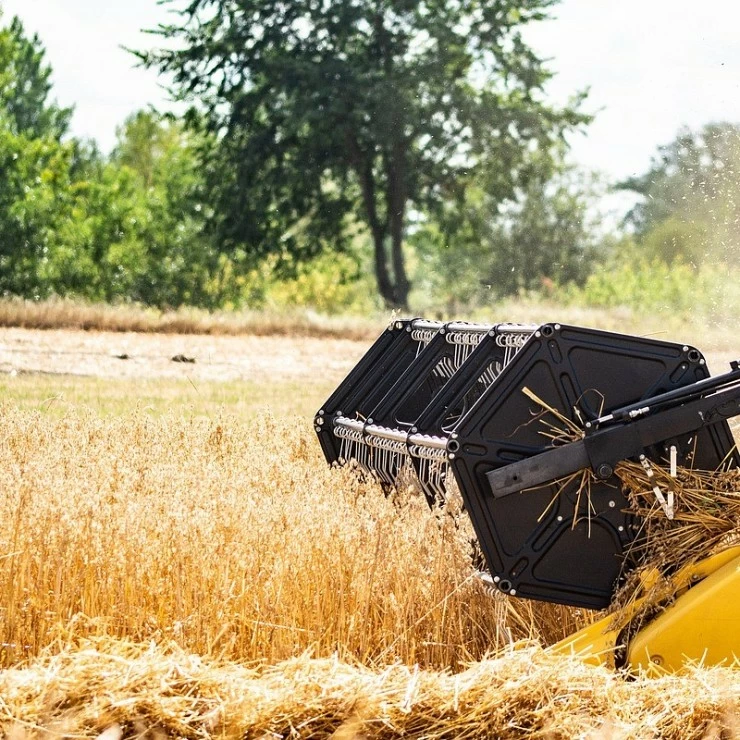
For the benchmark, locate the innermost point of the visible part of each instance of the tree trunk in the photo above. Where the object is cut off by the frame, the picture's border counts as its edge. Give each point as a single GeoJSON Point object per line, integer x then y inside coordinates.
{"type": "Point", "coordinates": [393, 286]}
{"type": "Point", "coordinates": [378, 231]}
{"type": "Point", "coordinates": [382, 274]}
{"type": "Point", "coordinates": [396, 209]}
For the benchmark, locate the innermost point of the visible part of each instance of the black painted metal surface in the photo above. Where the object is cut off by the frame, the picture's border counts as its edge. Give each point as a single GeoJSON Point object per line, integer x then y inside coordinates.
{"type": "Point", "coordinates": [496, 406]}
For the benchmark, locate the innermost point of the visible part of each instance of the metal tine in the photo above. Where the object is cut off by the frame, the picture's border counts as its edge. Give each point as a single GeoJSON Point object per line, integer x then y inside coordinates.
{"type": "Point", "coordinates": [385, 444]}
{"type": "Point", "coordinates": [389, 423]}
{"type": "Point", "coordinates": [438, 419]}
{"type": "Point", "coordinates": [423, 332]}
{"type": "Point", "coordinates": [367, 383]}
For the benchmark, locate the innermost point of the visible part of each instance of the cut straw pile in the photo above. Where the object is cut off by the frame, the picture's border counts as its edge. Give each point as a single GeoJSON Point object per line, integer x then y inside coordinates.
{"type": "Point", "coordinates": [706, 518]}
{"type": "Point", "coordinates": [119, 689]}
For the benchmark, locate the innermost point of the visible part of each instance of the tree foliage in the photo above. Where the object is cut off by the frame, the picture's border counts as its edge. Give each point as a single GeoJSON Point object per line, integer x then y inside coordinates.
{"type": "Point", "coordinates": [25, 86]}
{"type": "Point", "coordinates": [690, 198]}
{"type": "Point", "coordinates": [73, 222]}
{"type": "Point", "coordinates": [348, 136]}
{"type": "Point", "coordinates": [179, 264]}
{"type": "Point", "coordinates": [334, 114]}
{"type": "Point", "coordinates": [550, 234]}
{"type": "Point", "coordinates": [33, 161]}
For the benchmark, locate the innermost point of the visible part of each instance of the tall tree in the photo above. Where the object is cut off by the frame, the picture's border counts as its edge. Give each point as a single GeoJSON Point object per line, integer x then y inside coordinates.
{"type": "Point", "coordinates": [550, 234]}
{"type": "Point", "coordinates": [334, 113]}
{"type": "Point", "coordinates": [25, 86]}
{"type": "Point", "coordinates": [33, 161]}
{"type": "Point", "coordinates": [179, 264]}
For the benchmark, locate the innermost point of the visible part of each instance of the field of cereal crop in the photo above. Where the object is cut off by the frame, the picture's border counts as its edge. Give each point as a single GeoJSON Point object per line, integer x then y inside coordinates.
{"type": "Point", "coordinates": [177, 560]}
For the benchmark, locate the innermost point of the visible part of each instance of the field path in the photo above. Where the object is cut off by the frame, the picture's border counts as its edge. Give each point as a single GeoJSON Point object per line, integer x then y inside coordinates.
{"type": "Point", "coordinates": [133, 355]}
{"type": "Point", "coordinates": [146, 356]}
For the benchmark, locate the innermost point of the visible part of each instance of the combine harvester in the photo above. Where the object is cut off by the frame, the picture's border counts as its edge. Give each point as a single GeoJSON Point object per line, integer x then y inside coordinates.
{"type": "Point", "coordinates": [531, 422]}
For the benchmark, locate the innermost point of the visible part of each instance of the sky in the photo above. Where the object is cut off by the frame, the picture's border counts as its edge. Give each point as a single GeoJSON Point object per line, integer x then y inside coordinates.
{"type": "Point", "coordinates": [651, 66]}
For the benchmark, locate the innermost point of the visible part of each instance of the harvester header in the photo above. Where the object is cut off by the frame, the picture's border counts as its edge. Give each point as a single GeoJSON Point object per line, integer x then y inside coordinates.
{"type": "Point", "coordinates": [518, 418]}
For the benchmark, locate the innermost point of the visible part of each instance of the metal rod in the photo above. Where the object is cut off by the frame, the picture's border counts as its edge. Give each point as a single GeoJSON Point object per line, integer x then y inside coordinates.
{"type": "Point", "coordinates": [426, 440]}
{"type": "Point", "coordinates": [426, 325]}
{"type": "Point", "coordinates": [395, 435]}
{"type": "Point", "coordinates": [680, 395]}
{"type": "Point", "coordinates": [504, 328]}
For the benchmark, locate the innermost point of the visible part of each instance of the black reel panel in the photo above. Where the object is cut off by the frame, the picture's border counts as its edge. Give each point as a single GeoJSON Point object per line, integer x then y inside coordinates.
{"type": "Point", "coordinates": [373, 376]}
{"type": "Point", "coordinates": [562, 542]}
{"type": "Point", "coordinates": [377, 418]}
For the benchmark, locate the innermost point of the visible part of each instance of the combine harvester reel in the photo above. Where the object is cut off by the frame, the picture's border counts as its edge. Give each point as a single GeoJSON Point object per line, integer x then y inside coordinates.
{"type": "Point", "coordinates": [397, 406]}
{"type": "Point", "coordinates": [517, 413]}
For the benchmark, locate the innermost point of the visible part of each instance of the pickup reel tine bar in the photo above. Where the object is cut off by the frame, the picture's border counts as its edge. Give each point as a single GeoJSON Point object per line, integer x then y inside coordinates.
{"type": "Point", "coordinates": [485, 402]}
{"type": "Point", "coordinates": [379, 432]}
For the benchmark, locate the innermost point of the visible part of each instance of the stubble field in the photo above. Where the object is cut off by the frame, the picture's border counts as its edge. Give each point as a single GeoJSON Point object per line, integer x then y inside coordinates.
{"type": "Point", "coordinates": [177, 560]}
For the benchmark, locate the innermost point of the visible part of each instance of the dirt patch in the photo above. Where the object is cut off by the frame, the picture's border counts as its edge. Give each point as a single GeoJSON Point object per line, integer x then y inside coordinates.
{"type": "Point", "coordinates": [214, 358]}
{"type": "Point", "coordinates": [199, 357]}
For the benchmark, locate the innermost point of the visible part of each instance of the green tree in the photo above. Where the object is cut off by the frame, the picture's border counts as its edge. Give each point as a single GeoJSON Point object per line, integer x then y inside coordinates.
{"type": "Point", "coordinates": [34, 172]}
{"type": "Point", "coordinates": [549, 234]}
{"type": "Point", "coordinates": [334, 113]}
{"type": "Point", "coordinates": [33, 161]}
{"type": "Point", "coordinates": [25, 86]}
{"type": "Point", "coordinates": [180, 264]}
{"type": "Point", "coordinates": [73, 222]}
{"type": "Point", "coordinates": [689, 208]}
{"type": "Point", "coordinates": [548, 237]}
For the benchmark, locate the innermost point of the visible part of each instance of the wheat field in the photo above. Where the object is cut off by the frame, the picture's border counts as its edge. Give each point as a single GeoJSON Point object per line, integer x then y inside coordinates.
{"type": "Point", "coordinates": [194, 573]}
{"type": "Point", "coordinates": [233, 539]}
{"type": "Point", "coordinates": [196, 577]}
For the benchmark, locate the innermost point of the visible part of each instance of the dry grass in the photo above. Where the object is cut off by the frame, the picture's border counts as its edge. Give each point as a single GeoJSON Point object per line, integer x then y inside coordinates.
{"type": "Point", "coordinates": [706, 518]}
{"type": "Point", "coordinates": [181, 576]}
{"type": "Point", "coordinates": [63, 313]}
{"type": "Point", "coordinates": [190, 577]}
{"type": "Point", "coordinates": [232, 539]}
{"type": "Point", "coordinates": [114, 689]}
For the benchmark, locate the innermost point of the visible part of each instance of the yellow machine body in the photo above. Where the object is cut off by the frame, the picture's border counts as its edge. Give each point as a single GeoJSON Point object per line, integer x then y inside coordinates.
{"type": "Point", "coordinates": [697, 621]}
